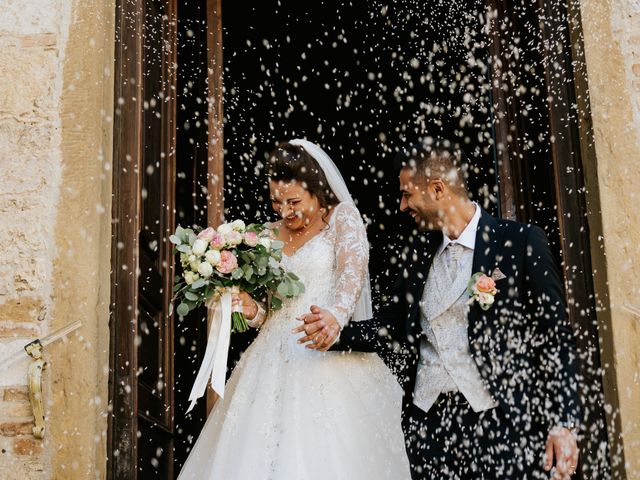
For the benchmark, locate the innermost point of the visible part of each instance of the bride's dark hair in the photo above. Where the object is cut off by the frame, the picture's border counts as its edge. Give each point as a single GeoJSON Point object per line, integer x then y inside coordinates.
{"type": "Point", "coordinates": [292, 162]}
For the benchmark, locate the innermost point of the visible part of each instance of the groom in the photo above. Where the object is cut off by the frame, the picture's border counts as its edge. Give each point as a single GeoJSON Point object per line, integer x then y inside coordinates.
{"type": "Point", "coordinates": [490, 379]}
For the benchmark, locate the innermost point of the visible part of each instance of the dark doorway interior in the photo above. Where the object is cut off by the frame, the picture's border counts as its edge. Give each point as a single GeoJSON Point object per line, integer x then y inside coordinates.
{"type": "Point", "coordinates": [190, 333]}
{"type": "Point", "coordinates": [361, 79]}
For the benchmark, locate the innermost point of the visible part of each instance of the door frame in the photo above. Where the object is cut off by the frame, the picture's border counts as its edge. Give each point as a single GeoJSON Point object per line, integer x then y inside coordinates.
{"type": "Point", "coordinates": [127, 133]}
{"type": "Point", "coordinates": [127, 200]}
{"type": "Point", "coordinates": [572, 154]}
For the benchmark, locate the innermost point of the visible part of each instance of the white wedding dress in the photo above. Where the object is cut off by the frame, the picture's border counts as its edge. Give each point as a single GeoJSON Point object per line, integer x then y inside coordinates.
{"type": "Point", "coordinates": [294, 413]}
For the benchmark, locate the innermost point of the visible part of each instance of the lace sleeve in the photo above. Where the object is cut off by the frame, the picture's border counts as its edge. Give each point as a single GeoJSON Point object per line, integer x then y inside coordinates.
{"type": "Point", "coordinates": [352, 259]}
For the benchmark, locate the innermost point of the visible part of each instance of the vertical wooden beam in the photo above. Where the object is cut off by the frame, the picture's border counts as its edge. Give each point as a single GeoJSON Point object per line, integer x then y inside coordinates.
{"type": "Point", "coordinates": [122, 456]}
{"type": "Point", "coordinates": [595, 232]}
{"type": "Point", "coordinates": [503, 111]}
{"type": "Point", "coordinates": [216, 140]}
{"type": "Point", "coordinates": [215, 160]}
{"type": "Point", "coordinates": [169, 87]}
{"type": "Point", "coordinates": [567, 162]}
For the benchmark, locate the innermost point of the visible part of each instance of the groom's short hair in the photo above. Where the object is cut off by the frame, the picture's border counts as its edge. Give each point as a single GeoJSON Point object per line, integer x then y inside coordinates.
{"type": "Point", "coordinates": [436, 158]}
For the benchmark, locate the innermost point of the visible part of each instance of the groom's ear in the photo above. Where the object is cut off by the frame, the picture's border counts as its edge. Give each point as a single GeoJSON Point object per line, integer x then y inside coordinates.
{"type": "Point", "coordinates": [437, 186]}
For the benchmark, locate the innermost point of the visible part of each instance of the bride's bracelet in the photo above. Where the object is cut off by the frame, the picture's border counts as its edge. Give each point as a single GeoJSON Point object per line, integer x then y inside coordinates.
{"type": "Point", "coordinates": [260, 317]}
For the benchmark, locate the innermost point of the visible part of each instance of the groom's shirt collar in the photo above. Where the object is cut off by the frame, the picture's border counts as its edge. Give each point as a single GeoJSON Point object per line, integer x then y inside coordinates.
{"type": "Point", "coordinates": [468, 236]}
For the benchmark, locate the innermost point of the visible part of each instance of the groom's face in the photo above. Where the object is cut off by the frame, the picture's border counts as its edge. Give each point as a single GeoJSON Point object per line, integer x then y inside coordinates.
{"type": "Point", "coordinates": [419, 199]}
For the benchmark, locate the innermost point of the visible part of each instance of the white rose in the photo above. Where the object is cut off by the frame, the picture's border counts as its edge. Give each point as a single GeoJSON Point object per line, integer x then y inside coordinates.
{"type": "Point", "coordinates": [234, 238]}
{"type": "Point", "coordinates": [486, 298]}
{"type": "Point", "coordinates": [225, 229]}
{"type": "Point", "coordinates": [205, 269]}
{"type": "Point", "coordinates": [199, 247]}
{"type": "Point", "coordinates": [190, 277]}
{"type": "Point", "coordinates": [213, 257]}
{"type": "Point", "coordinates": [265, 242]}
{"type": "Point", "coordinates": [238, 225]}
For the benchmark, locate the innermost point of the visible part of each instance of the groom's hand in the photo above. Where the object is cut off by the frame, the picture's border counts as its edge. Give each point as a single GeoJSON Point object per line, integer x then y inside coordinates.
{"type": "Point", "coordinates": [320, 327]}
{"type": "Point", "coordinates": [561, 445]}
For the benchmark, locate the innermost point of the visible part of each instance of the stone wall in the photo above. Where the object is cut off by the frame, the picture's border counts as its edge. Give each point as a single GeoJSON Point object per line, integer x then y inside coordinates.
{"type": "Point", "coordinates": [55, 141]}
{"type": "Point", "coordinates": [611, 30]}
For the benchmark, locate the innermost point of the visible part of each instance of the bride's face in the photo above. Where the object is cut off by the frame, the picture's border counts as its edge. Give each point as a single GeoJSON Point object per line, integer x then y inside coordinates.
{"type": "Point", "coordinates": [296, 206]}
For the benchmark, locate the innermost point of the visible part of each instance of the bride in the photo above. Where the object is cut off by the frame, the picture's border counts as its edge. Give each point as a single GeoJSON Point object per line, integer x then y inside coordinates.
{"type": "Point", "coordinates": [298, 413]}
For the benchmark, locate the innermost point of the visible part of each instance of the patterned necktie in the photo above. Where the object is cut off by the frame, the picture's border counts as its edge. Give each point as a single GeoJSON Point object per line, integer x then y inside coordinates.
{"type": "Point", "coordinates": [455, 251]}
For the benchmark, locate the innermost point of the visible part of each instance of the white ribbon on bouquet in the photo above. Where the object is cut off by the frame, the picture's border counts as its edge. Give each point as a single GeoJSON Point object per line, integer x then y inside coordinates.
{"type": "Point", "coordinates": [214, 364]}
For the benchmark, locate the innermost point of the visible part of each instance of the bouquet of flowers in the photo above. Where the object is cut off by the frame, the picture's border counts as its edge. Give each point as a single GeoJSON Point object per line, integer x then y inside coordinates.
{"type": "Point", "coordinates": [231, 257]}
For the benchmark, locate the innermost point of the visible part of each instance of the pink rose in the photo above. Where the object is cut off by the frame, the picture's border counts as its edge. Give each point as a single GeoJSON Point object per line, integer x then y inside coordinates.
{"type": "Point", "coordinates": [228, 262]}
{"type": "Point", "coordinates": [207, 234]}
{"type": "Point", "coordinates": [217, 241]}
{"type": "Point", "coordinates": [251, 239]}
{"type": "Point", "coordinates": [486, 284]}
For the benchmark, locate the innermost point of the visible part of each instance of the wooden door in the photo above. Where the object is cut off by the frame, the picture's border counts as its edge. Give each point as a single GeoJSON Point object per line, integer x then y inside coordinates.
{"type": "Point", "coordinates": [537, 71]}
{"type": "Point", "coordinates": [154, 338]}
{"type": "Point", "coordinates": [141, 430]}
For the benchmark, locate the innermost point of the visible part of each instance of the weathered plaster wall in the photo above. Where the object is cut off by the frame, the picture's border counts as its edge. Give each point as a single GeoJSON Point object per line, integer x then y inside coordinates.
{"type": "Point", "coordinates": [612, 50]}
{"type": "Point", "coordinates": [55, 152]}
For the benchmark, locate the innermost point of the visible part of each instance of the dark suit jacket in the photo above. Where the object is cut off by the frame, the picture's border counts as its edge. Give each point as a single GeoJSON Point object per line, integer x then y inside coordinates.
{"type": "Point", "coordinates": [523, 345]}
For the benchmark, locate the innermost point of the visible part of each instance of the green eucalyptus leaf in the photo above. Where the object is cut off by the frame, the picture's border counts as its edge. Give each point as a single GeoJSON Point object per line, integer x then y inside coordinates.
{"type": "Point", "coordinates": [175, 239]}
{"type": "Point", "coordinates": [276, 303]}
{"type": "Point", "coordinates": [276, 273]}
{"type": "Point", "coordinates": [183, 309]}
{"type": "Point", "coordinates": [198, 284]}
{"type": "Point", "coordinates": [273, 263]}
{"type": "Point", "coordinates": [283, 289]}
{"type": "Point", "coordinates": [191, 296]}
{"type": "Point", "coordinates": [237, 274]}
{"type": "Point", "coordinates": [248, 271]}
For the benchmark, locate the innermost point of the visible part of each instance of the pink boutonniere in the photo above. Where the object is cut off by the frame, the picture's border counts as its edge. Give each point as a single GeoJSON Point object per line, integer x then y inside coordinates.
{"type": "Point", "coordinates": [482, 290]}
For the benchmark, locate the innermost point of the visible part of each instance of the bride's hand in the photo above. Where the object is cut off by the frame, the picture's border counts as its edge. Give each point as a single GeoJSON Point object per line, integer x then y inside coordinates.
{"type": "Point", "coordinates": [249, 305]}
{"type": "Point", "coordinates": [320, 327]}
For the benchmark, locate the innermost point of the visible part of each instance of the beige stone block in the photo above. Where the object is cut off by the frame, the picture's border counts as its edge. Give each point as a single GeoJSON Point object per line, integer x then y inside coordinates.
{"type": "Point", "coordinates": [33, 17]}
{"type": "Point", "coordinates": [27, 81]}
{"type": "Point", "coordinates": [15, 394]}
{"type": "Point", "coordinates": [27, 166]}
{"type": "Point", "coordinates": [23, 309]}
{"type": "Point", "coordinates": [38, 40]}
{"type": "Point", "coordinates": [19, 329]}
{"type": "Point", "coordinates": [27, 446]}
{"type": "Point", "coordinates": [15, 409]}
{"type": "Point", "coordinates": [13, 427]}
